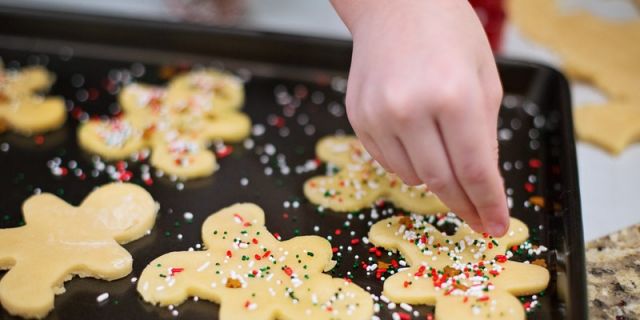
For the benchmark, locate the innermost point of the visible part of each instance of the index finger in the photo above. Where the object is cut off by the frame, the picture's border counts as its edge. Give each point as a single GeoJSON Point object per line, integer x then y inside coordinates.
{"type": "Point", "coordinates": [472, 155]}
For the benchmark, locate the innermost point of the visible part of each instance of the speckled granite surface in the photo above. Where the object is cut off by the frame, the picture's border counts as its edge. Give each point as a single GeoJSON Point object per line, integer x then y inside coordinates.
{"type": "Point", "coordinates": [613, 275]}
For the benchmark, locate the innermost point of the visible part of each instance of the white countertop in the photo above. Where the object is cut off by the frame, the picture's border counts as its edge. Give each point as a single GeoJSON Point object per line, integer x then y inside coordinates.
{"type": "Point", "coordinates": [608, 183]}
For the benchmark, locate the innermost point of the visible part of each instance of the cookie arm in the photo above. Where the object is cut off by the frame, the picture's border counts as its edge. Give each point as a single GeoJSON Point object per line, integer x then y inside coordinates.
{"type": "Point", "coordinates": [522, 279]}
{"type": "Point", "coordinates": [8, 240]}
{"type": "Point", "coordinates": [110, 262]}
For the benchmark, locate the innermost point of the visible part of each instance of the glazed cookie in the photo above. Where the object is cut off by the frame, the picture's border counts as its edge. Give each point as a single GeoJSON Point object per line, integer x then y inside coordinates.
{"type": "Point", "coordinates": [361, 181]}
{"type": "Point", "coordinates": [22, 109]}
{"type": "Point", "coordinates": [465, 275]}
{"type": "Point", "coordinates": [60, 241]}
{"type": "Point", "coordinates": [226, 92]}
{"type": "Point", "coordinates": [113, 139]}
{"type": "Point", "coordinates": [176, 123]}
{"type": "Point", "coordinates": [184, 156]}
{"type": "Point", "coordinates": [254, 276]}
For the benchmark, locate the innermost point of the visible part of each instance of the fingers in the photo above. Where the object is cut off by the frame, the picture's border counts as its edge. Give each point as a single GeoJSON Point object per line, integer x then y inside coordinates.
{"type": "Point", "coordinates": [369, 144]}
{"type": "Point", "coordinates": [467, 142]}
{"type": "Point", "coordinates": [397, 158]}
{"type": "Point", "coordinates": [429, 159]}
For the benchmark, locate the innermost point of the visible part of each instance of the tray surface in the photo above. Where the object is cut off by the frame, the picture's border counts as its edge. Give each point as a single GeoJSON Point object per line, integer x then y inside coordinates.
{"type": "Point", "coordinates": [289, 116]}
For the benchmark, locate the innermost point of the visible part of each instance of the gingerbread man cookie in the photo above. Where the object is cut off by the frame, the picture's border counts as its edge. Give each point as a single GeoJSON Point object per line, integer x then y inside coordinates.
{"type": "Point", "coordinates": [59, 241]}
{"type": "Point", "coordinates": [466, 275]}
{"type": "Point", "coordinates": [254, 276]}
{"type": "Point", "coordinates": [21, 108]}
{"type": "Point", "coordinates": [361, 181]}
{"type": "Point", "coordinates": [177, 123]}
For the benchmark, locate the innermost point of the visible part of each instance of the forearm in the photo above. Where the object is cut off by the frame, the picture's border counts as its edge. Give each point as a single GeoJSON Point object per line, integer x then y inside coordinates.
{"type": "Point", "coordinates": [354, 12]}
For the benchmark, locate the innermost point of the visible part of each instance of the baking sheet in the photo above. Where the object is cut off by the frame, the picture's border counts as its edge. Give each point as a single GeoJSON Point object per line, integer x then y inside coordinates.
{"type": "Point", "coordinates": [537, 159]}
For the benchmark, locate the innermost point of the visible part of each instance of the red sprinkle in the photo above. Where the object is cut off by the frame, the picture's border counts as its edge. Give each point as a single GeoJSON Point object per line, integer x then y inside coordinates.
{"type": "Point", "coordinates": [404, 316]}
{"type": "Point", "coordinates": [224, 152]}
{"type": "Point", "coordinates": [535, 163]}
{"type": "Point", "coordinates": [39, 139]}
{"type": "Point", "coordinates": [529, 187]}
{"type": "Point", "coordinates": [338, 232]}
{"type": "Point", "coordinates": [501, 258]}
{"type": "Point", "coordinates": [229, 254]}
{"type": "Point", "coordinates": [288, 270]}
{"type": "Point", "coordinates": [482, 299]}
{"type": "Point", "coordinates": [420, 272]}
{"type": "Point", "coordinates": [176, 270]}
{"type": "Point", "coordinates": [355, 241]}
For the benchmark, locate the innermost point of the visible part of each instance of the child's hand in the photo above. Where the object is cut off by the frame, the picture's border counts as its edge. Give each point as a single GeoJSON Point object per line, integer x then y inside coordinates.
{"type": "Point", "coordinates": [423, 97]}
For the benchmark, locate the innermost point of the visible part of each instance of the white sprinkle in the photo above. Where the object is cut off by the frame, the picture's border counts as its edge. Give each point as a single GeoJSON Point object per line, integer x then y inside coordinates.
{"type": "Point", "coordinates": [203, 266]}
{"type": "Point", "coordinates": [406, 307]}
{"type": "Point", "coordinates": [102, 297]}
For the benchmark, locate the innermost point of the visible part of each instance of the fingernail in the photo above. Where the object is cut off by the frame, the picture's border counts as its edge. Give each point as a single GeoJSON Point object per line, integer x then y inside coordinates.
{"type": "Point", "coordinates": [496, 229]}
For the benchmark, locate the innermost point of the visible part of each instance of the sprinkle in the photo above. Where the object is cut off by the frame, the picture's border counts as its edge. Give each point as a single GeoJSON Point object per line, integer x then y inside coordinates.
{"type": "Point", "coordinates": [175, 271]}
{"type": "Point", "coordinates": [224, 151]}
{"type": "Point", "coordinates": [102, 297]}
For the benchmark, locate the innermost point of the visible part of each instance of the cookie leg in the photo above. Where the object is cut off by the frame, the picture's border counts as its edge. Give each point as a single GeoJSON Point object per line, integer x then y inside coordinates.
{"type": "Point", "coordinates": [237, 306]}
{"type": "Point", "coordinates": [34, 300]}
{"type": "Point", "coordinates": [499, 305]}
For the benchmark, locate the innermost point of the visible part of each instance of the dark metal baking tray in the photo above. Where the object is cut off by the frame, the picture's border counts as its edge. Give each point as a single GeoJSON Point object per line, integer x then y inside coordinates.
{"type": "Point", "coordinates": [537, 151]}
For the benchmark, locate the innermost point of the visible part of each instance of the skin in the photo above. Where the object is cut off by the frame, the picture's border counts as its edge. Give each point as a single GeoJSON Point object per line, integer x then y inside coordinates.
{"type": "Point", "coordinates": [423, 97]}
